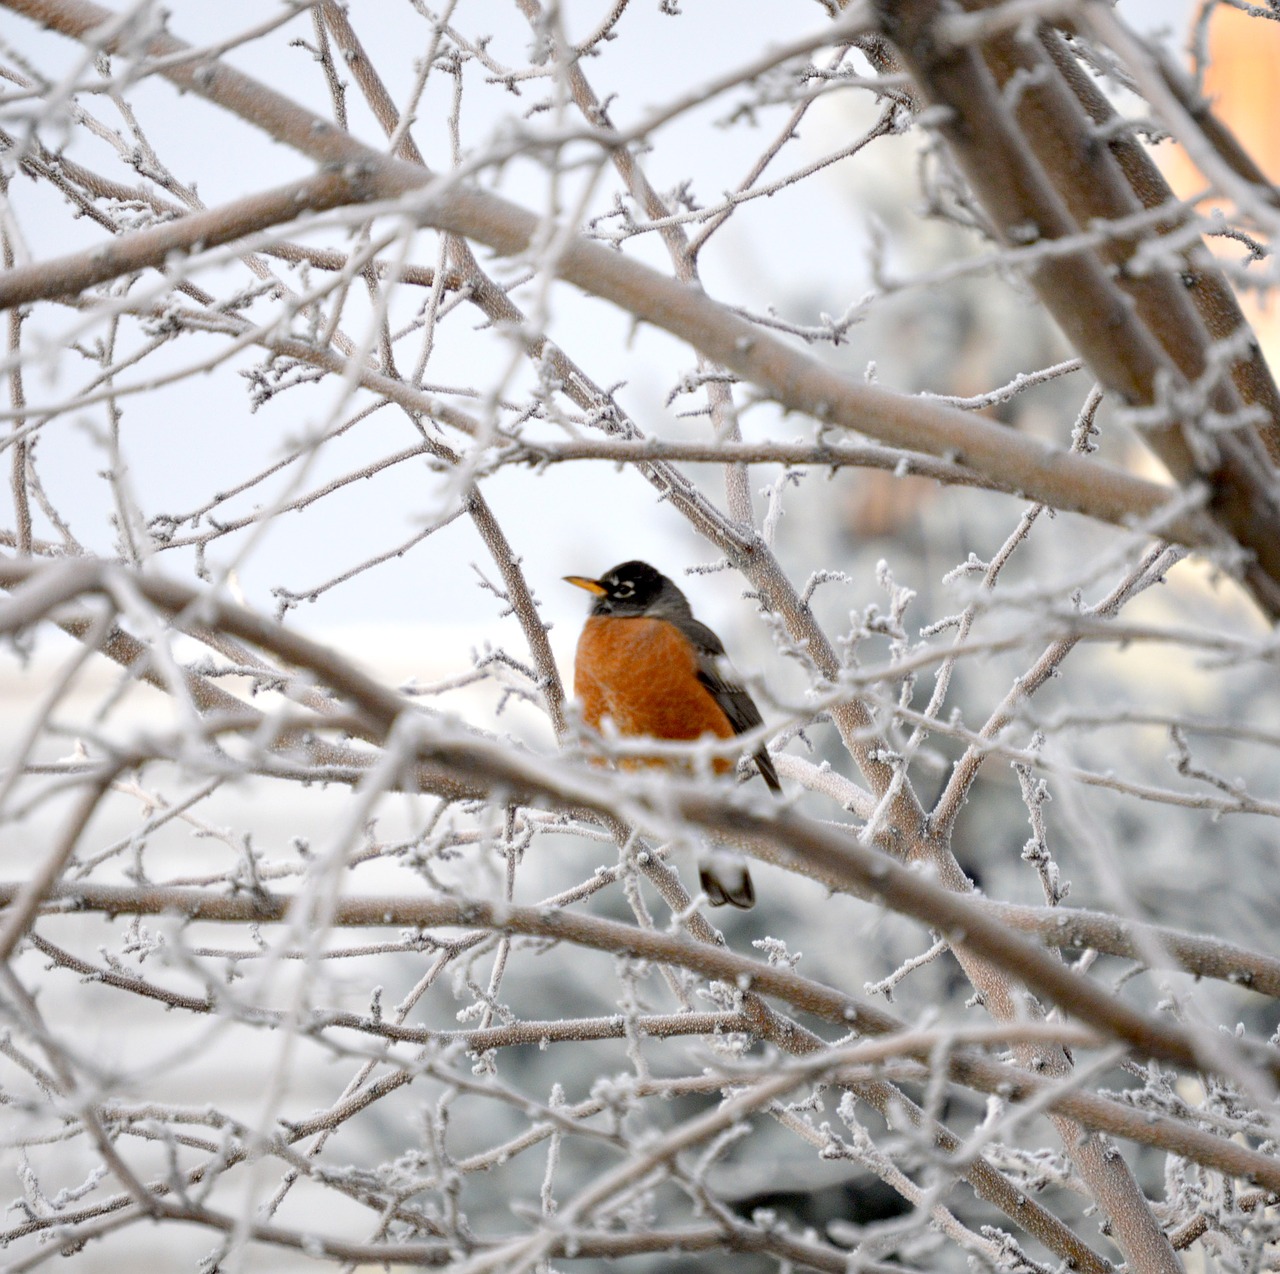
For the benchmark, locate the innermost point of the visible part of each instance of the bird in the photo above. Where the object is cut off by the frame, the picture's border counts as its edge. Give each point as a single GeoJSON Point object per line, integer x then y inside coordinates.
{"type": "Point", "coordinates": [644, 662]}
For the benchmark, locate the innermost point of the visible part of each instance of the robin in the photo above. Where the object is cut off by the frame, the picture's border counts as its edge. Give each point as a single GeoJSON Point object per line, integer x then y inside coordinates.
{"type": "Point", "coordinates": [648, 665]}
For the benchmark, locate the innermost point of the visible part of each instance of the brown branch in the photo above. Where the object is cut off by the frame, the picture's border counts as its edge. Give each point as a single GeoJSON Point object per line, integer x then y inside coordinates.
{"type": "Point", "coordinates": [525, 777]}
{"type": "Point", "coordinates": [157, 246]}
{"type": "Point", "coordinates": [794, 380]}
{"type": "Point", "coordinates": [1006, 167]}
{"type": "Point", "coordinates": [332, 761]}
{"type": "Point", "coordinates": [479, 1040]}
{"type": "Point", "coordinates": [988, 1183]}
{"type": "Point", "coordinates": [819, 455]}
{"type": "Point", "coordinates": [1204, 281]}
{"type": "Point", "coordinates": [716, 963]}
{"type": "Point", "coordinates": [581, 1244]}
{"type": "Point", "coordinates": [1197, 954]}
{"type": "Point", "coordinates": [1077, 289]}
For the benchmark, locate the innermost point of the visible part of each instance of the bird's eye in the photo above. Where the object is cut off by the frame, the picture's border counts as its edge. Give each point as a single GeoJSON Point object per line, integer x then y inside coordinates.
{"type": "Point", "coordinates": [624, 589]}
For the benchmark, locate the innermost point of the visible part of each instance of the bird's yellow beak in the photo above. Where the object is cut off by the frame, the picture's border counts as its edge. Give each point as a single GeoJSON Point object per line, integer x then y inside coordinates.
{"type": "Point", "coordinates": [581, 581]}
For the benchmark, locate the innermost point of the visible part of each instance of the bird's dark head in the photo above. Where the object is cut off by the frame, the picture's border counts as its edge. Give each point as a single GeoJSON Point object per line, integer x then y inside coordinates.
{"type": "Point", "coordinates": [632, 589]}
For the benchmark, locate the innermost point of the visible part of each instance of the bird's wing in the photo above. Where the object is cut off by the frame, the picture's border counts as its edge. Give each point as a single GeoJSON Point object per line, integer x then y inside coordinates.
{"type": "Point", "coordinates": [716, 673]}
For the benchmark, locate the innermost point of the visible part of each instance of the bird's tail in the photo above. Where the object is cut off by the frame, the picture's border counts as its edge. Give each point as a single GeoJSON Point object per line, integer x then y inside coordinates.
{"type": "Point", "coordinates": [724, 877]}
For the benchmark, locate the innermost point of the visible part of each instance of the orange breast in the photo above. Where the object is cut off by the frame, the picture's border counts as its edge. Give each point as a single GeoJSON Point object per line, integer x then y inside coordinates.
{"type": "Point", "coordinates": [643, 674]}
